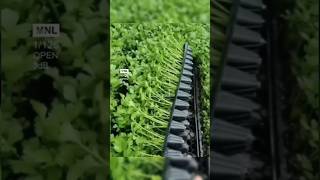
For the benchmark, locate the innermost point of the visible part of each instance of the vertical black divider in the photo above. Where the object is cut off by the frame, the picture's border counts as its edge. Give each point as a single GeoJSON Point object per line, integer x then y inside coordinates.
{"type": "Point", "coordinates": [107, 85]}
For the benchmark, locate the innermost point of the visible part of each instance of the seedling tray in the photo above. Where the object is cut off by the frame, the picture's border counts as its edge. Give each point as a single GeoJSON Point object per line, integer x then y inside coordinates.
{"type": "Point", "coordinates": [243, 133]}
{"type": "Point", "coordinates": [184, 136]}
{"type": "Point", "coordinates": [186, 168]}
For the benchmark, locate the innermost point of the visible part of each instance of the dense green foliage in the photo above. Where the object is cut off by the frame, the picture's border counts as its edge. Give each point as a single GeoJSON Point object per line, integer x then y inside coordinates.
{"type": "Point", "coordinates": [141, 106]}
{"type": "Point", "coordinates": [52, 122]}
{"type": "Point", "coordinates": [168, 11]}
{"type": "Point", "coordinates": [303, 44]}
{"type": "Point", "coordinates": [133, 168]}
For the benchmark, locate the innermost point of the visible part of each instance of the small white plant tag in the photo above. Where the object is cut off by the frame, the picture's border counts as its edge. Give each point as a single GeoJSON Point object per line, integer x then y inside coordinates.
{"type": "Point", "coordinates": [124, 71]}
{"type": "Point", "coordinates": [124, 74]}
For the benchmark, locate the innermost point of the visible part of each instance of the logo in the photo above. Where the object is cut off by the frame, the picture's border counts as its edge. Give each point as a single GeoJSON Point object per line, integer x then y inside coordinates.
{"type": "Point", "coordinates": [45, 30]}
{"type": "Point", "coordinates": [46, 49]}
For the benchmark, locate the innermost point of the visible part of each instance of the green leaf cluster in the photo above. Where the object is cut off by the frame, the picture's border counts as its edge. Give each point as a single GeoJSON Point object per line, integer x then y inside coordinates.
{"type": "Point", "coordinates": [153, 54]}
{"type": "Point", "coordinates": [160, 11]}
{"type": "Point", "coordinates": [303, 46]}
{"type": "Point", "coordinates": [136, 168]}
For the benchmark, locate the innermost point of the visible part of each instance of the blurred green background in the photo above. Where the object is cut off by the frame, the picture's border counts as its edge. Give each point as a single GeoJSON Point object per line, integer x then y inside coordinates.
{"type": "Point", "coordinates": [53, 121]}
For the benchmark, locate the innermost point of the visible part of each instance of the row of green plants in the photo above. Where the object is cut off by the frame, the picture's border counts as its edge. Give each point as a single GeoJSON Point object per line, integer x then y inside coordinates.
{"type": "Point", "coordinates": [161, 11]}
{"type": "Point", "coordinates": [52, 121]}
{"type": "Point", "coordinates": [137, 168]}
{"type": "Point", "coordinates": [141, 104]}
{"type": "Point", "coordinates": [143, 107]}
{"type": "Point", "coordinates": [302, 43]}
